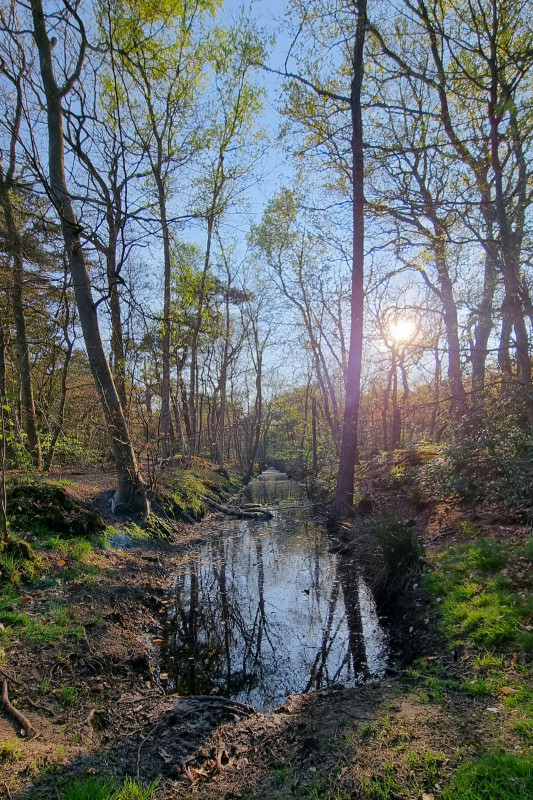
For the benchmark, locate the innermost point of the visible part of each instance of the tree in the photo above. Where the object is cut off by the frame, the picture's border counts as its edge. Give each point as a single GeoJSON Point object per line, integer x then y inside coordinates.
{"type": "Point", "coordinates": [131, 487]}
{"type": "Point", "coordinates": [475, 60]}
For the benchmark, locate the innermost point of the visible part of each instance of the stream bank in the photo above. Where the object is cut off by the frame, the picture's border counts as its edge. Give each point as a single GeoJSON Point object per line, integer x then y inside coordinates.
{"type": "Point", "coordinates": [84, 653]}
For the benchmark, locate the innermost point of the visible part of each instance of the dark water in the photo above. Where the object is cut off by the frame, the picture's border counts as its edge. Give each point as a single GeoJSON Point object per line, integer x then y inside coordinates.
{"type": "Point", "coordinates": [264, 611]}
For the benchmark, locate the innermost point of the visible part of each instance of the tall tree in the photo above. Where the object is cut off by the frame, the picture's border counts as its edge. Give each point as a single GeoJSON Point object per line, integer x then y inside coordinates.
{"type": "Point", "coordinates": [131, 487]}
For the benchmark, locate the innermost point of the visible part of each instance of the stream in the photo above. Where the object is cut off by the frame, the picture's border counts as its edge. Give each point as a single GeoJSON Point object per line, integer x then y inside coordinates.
{"type": "Point", "coordinates": [263, 611]}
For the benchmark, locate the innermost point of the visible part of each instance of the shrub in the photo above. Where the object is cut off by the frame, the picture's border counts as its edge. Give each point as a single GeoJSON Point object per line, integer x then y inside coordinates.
{"type": "Point", "coordinates": [392, 550]}
{"type": "Point", "coordinates": [487, 461]}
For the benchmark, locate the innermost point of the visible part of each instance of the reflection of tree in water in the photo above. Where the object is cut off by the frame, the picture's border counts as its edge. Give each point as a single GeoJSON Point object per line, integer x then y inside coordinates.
{"type": "Point", "coordinates": [353, 663]}
{"type": "Point", "coordinates": [211, 643]}
{"type": "Point", "coordinates": [266, 491]}
{"type": "Point", "coordinates": [248, 609]}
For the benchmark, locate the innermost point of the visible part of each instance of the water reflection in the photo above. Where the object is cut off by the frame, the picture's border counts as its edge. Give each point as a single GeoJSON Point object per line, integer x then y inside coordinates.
{"type": "Point", "coordinates": [264, 611]}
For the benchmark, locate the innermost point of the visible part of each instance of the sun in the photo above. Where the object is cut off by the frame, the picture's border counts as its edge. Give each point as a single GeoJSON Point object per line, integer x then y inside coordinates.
{"type": "Point", "coordinates": [402, 330]}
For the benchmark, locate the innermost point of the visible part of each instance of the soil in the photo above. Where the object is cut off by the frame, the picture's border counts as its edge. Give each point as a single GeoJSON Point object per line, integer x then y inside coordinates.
{"type": "Point", "coordinates": [98, 704]}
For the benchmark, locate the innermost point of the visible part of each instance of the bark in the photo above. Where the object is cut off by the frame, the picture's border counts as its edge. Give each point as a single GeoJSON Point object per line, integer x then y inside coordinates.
{"type": "Point", "coordinates": [349, 454]}
{"type": "Point", "coordinates": [436, 394]}
{"type": "Point", "coordinates": [396, 411]}
{"type": "Point", "coordinates": [255, 433]}
{"type": "Point", "coordinates": [29, 419]}
{"type": "Point", "coordinates": [49, 458]}
{"type": "Point", "coordinates": [131, 487]}
{"type": "Point", "coordinates": [313, 429]}
{"type": "Point", "coordinates": [482, 331]}
{"type": "Point", "coordinates": [451, 325]}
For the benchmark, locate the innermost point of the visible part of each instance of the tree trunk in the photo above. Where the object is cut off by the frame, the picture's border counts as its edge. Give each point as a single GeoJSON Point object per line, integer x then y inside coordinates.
{"type": "Point", "coordinates": [29, 419]}
{"type": "Point", "coordinates": [396, 411]}
{"type": "Point", "coordinates": [482, 331]}
{"type": "Point", "coordinates": [313, 428]}
{"type": "Point", "coordinates": [131, 487]}
{"type": "Point", "coordinates": [166, 448]}
{"type": "Point", "coordinates": [349, 455]}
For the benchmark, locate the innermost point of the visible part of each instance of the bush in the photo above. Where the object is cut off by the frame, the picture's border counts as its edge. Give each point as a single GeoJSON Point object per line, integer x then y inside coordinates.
{"type": "Point", "coordinates": [392, 550]}
{"type": "Point", "coordinates": [488, 461]}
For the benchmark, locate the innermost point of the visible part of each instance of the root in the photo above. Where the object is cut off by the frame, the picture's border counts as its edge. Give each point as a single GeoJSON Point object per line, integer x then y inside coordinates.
{"type": "Point", "coordinates": [27, 728]}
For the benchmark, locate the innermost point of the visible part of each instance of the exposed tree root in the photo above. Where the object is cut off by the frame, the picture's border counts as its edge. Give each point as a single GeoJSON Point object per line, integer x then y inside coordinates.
{"type": "Point", "coordinates": [25, 724]}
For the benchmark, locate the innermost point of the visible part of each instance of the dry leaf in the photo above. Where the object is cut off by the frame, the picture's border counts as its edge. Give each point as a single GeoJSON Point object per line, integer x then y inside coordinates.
{"type": "Point", "coordinates": [428, 796]}
{"type": "Point", "coordinates": [61, 562]}
{"type": "Point", "coordinates": [508, 690]}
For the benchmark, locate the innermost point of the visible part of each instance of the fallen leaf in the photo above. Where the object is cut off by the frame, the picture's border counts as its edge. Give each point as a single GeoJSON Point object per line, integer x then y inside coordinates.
{"type": "Point", "coordinates": [493, 710]}
{"type": "Point", "coordinates": [61, 562]}
{"type": "Point", "coordinates": [508, 690]}
{"type": "Point", "coordinates": [428, 796]}
{"type": "Point", "coordinates": [26, 600]}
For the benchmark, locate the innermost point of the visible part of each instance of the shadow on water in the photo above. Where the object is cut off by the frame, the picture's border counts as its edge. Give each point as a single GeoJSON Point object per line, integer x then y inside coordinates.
{"type": "Point", "coordinates": [263, 611]}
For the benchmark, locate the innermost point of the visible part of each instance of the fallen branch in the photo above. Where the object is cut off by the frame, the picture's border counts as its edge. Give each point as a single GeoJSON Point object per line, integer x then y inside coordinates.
{"type": "Point", "coordinates": [447, 532]}
{"type": "Point", "coordinates": [235, 512]}
{"type": "Point", "coordinates": [26, 725]}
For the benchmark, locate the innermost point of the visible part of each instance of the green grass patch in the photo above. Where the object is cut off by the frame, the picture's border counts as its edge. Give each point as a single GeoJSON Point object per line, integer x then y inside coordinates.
{"type": "Point", "coordinates": [494, 777]}
{"type": "Point", "coordinates": [10, 750]}
{"type": "Point", "coordinates": [18, 623]}
{"type": "Point", "coordinates": [103, 788]}
{"type": "Point", "coordinates": [479, 607]}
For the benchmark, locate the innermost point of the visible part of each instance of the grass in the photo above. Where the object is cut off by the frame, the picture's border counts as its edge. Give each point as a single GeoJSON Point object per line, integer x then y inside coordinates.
{"type": "Point", "coordinates": [10, 750]}
{"type": "Point", "coordinates": [58, 624]}
{"type": "Point", "coordinates": [494, 777]}
{"type": "Point", "coordinates": [69, 695]}
{"type": "Point", "coordinates": [102, 788]}
{"type": "Point", "coordinates": [479, 607]}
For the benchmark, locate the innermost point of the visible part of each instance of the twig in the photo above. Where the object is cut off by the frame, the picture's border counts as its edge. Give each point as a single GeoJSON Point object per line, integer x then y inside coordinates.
{"type": "Point", "coordinates": [9, 678]}
{"type": "Point", "coordinates": [6, 787]}
{"type": "Point", "coordinates": [29, 730]}
{"type": "Point", "coordinates": [148, 735]}
{"type": "Point", "coordinates": [41, 706]}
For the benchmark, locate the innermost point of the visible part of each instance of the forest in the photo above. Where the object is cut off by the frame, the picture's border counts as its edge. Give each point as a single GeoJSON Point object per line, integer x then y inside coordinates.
{"type": "Point", "coordinates": [266, 265]}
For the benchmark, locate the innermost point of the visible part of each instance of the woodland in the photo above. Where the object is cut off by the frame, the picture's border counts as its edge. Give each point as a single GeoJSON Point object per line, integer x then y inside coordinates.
{"type": "Point", "coordinates": [297, 235]}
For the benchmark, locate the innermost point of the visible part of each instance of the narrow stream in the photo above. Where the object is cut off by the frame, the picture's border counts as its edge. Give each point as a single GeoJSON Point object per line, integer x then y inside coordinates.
{"type": "Point", "coordinates": [263, 611]}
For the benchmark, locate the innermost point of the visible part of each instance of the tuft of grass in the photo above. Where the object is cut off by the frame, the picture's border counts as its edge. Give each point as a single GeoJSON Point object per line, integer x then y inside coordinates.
{"type": "Point", "coordinates": [10, 750]}
{"type": "Point", "coordinates": [81, 550]}
{"type": "Point", "coordinates": [69, 695]}
{"type": "Point", "coordinates": [105, 788]}
{"type": "Point", "coordinates": [494, 777]}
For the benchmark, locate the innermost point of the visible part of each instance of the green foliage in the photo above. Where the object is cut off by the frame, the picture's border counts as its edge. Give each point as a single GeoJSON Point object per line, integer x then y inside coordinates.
{"type": "Point", "coordinates": [494, 777]}
{"type": "Point", "coordinates": [488, 462]}
{"type": "Point", "coordinates": [69, 695]}
{"type": "Point", "coordinates": [10, 750]}
{"type": "Point", "coordinates": [18, 562]}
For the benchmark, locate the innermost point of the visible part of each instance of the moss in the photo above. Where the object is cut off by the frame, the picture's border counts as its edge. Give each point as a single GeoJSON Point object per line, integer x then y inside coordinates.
{"type": "Point", "coordinates": [47, 509]}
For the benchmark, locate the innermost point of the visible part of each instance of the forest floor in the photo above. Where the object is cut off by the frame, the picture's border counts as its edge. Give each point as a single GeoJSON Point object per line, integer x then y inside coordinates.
{"type": "Point", "coordinates": [78, 647]}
